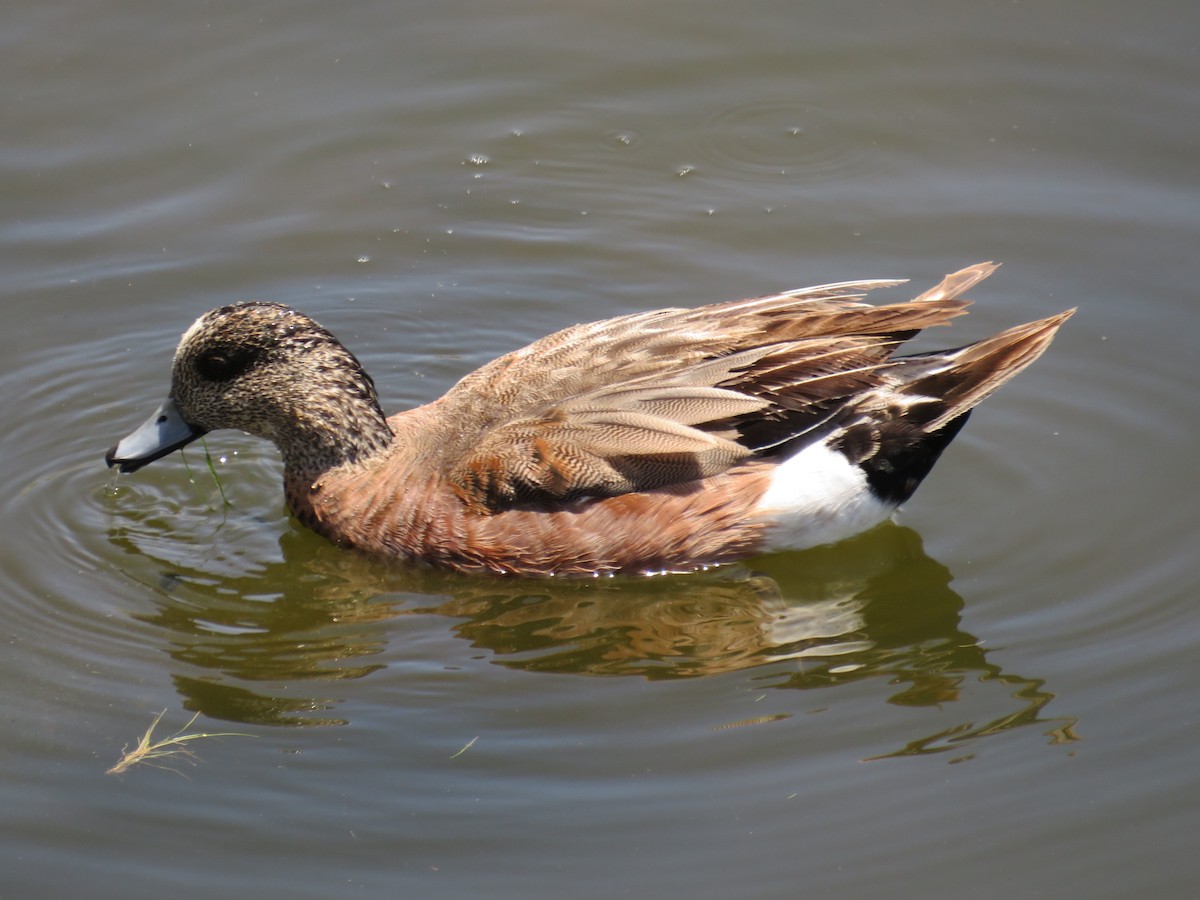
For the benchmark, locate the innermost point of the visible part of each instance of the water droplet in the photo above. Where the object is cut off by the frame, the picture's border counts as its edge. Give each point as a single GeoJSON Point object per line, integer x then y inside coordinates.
{"type": "Point", "coordinates": [364, 259]}
{"type": "Point", "coordinates": [685, 170]}
{"type": "Point", "coordinates": [477, 159]}
{"type": "Point", "coordinates": [623, 138]}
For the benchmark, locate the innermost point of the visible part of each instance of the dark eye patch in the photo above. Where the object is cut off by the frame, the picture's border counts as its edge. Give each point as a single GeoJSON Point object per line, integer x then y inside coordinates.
{"type": "Point", "coordinates": [223, 365]}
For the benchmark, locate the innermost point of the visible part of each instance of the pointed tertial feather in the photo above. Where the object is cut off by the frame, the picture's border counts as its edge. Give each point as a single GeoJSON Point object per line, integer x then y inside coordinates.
{"type": "Point", "coordinates": [794, 364]}
{"type": "Point", "coordinates": [849, 292]}
{"type": "Point", "coordinates": [686, 405]}
{"type": "Point", "coordinates": [625, 433]}
{"type": "Point", "coordinates": [957, 283]}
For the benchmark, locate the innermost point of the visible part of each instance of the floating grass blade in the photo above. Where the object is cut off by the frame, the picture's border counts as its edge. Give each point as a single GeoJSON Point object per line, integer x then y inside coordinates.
{"type": "Point", "coordinates": [466, 747]}
{"type": "Point", "coordinates": [212, 470]}
{"type": "Point", "coordinates": [149, 753]}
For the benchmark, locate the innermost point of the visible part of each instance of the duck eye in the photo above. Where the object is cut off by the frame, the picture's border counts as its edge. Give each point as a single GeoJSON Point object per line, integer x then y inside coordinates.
{"type": "Point", "coordinates": [217, 366]}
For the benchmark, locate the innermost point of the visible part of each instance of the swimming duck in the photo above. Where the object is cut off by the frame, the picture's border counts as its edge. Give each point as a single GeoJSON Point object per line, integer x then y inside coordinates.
{"type": "Point", "coordinates": [658, 441]}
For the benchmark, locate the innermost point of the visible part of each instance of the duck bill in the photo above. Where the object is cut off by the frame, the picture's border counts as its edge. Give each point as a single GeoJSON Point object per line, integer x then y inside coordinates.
{"type": "Point", "coordinates": [164, 432]}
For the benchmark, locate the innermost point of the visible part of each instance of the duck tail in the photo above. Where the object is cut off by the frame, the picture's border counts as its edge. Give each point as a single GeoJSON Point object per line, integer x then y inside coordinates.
{"type": "Point", "coordinates": [900, 430]}
{"type": "Point", "coordinates": [939, 387]}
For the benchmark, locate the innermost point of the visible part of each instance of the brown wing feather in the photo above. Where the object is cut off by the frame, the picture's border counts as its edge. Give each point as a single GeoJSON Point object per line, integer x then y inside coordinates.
{"type": "Point", "coordinates": [657, 398]}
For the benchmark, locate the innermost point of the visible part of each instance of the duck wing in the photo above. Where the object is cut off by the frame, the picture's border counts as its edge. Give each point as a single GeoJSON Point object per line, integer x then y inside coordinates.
{"type": "Point", "coordinates": [652, 399]}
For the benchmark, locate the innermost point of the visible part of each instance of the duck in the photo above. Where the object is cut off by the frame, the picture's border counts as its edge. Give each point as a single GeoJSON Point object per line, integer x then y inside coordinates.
{"type": "Point", "coordinates": [669, 440]}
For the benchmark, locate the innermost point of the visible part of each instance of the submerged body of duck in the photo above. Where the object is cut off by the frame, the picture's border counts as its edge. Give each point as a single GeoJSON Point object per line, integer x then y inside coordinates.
{"type": "Point", "coordinates": [657, 441]}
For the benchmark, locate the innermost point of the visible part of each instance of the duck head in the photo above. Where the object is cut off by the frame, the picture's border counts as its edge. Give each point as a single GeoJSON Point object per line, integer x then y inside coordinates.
{"type": "Point", "coordinates": [268, 370]}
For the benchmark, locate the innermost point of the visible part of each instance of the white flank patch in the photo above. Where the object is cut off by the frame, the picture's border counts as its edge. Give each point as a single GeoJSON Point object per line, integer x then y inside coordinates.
{"type": "Point", "coordinates": [817, 497]}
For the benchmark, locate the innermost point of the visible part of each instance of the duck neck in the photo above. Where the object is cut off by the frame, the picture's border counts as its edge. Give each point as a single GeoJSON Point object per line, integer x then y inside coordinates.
{"type": "Point", "coordinates": [331, 429]}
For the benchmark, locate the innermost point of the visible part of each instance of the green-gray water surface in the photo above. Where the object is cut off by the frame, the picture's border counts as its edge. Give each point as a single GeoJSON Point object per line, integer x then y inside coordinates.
{"type": "Point", "coordinates": [991, 697]}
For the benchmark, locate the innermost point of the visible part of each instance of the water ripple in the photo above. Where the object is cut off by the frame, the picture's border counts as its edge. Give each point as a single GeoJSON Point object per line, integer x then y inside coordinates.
{"type": "Point", "coordinates": [785, 137]}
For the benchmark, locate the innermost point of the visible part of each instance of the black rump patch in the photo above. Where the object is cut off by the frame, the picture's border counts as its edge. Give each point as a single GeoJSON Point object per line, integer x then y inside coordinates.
{"type": "Point", "coordinates": [903, 454]}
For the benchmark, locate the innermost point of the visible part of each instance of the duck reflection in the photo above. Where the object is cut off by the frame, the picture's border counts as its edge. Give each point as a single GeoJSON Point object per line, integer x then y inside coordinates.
{"type": "Point", "coordinates": [876, 607]}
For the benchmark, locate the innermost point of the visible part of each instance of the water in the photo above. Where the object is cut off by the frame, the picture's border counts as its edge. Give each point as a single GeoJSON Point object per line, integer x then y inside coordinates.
{"type": "Point", "coordinates": [993, 694]}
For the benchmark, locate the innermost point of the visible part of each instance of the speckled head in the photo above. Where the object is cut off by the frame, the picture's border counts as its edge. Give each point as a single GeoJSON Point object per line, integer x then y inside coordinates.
{"type": "Point", "coordinates": [268, 370]}
{"type": "Point", "coordinates": [240, 366]}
